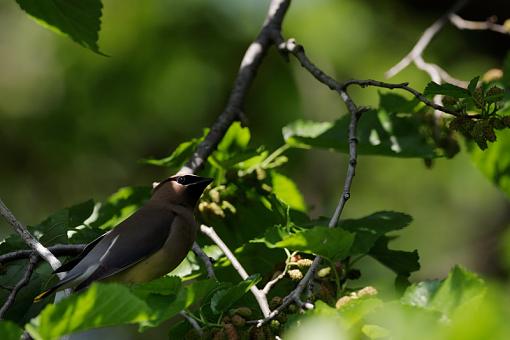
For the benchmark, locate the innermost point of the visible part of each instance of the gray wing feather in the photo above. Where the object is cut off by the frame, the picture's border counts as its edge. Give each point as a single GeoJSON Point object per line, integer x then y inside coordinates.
{"type": "Point", "coordinates": [139, 236]}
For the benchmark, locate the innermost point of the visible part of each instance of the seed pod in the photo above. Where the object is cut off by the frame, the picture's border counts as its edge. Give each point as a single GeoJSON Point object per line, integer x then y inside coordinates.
{"type": "Point", "coordinates": [215, 195]}
{"type": "Point", "coordinates": [238, 320]}
{"type": "Point", "coordinates": [295, 274]}
{"type": "Point", "coordinates": [257, 333]}
{"type": "Point", "coordinates": [492, 74]}
{"type": "Point", "coordinates": [275, 325]}
{"type": "Point", "coordinates": [367, 291]}
{"type": "Point", "coordinates": [342, 301]}
{"type": "Point", "coordinates": [323, 272]}
{"type": "Point", "coordinates": [230, 332]}
{"type": "Point", "coordinates": [219, 335]}
{"type": "Point", "coordinates": [478, 97]}
{"type": "Point", "coordinates": [261, 173]}
{"type": "Point", "coordinates": [275, 302]}
{"type": "Point", "coordinates": [244, 311]}
{"type": "Point", "coordinates": [303, 263]}
{"type": "Point", "coordinates": [226, 205]}
{"type": "Point", "coordinates": [495, 91]}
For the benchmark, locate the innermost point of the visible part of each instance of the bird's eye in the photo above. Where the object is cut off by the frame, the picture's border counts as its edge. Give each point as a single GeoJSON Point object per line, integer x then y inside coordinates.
{"type": "Point", "coordinates": [181, 180]}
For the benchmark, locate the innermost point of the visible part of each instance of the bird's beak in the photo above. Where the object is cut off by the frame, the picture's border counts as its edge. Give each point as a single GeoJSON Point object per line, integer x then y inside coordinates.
{"type": "Point", "coordinates": [202, 182]}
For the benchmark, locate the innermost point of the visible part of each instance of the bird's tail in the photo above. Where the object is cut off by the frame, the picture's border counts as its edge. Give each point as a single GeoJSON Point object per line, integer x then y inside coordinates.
{"type": "Point", "coordinates": [47, 293]}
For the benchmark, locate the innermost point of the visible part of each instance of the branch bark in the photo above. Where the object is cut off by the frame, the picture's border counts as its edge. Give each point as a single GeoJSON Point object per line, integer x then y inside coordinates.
{"type": "Point", "coordinates": [22, 283]}
{"type": "Point", "coordinates": [249, 66]}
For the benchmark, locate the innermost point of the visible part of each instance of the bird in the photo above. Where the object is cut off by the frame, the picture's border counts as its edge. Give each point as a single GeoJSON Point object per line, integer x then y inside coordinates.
{"type": "Point", "coordinates": [147, 245]}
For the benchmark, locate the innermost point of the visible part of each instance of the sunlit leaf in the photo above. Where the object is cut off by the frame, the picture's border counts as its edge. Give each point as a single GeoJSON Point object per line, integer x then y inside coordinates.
{"type": "Point", "coordinates": [99, 306]}
{"type": "Point", "coordinates": [393, 130]}
{"type": "Point", "coordinates": [459, 288]}
{"type": "Point", "coordinates": [80, 20]}
{"type": "Point", "coordinates": [494, 162]}
{"type": "Point", "coordinates": [286, 190]}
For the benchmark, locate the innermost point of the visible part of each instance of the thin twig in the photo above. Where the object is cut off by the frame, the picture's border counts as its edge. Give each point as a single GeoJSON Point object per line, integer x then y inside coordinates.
{"type": "Point", "coordinates": [298, 52]}
{"type": "Point", "coordinates": [489, 24]}
{"type": "Point", "coordinates": [21, 283]}
{"type": "Point", "coordinates": [271, 283]}
{"type": "Point", "coordinates": [249, 65]}
{"type": "Point", "coordinates": [193, 322]}
{"type": "Point", "coordinates": [425, 40]}
{"type": "Point", "coordinates": [205, 259]}
{"type": "Point", "coordinates": [57, 250]}
{"type": "Point", "coordinates": [259, 295]}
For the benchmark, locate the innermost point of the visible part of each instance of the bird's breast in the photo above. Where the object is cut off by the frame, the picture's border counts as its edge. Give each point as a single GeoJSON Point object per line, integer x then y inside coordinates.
{"type": "Point", "coordinates": [174, 250]}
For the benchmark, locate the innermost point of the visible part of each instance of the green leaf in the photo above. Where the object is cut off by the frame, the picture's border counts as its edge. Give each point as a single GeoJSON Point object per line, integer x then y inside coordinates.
{"type": "Point", "coordinates": [458, 289]}
{"type": "Point", "coordinates": [446, 90]}
{"type": "Point", "coordinates": [375, 332]}
{"type": "Point", "coordinates": [119, 206]}
{"type": "Point", "coordinates": [236, 138]}
{"type": "Point", "coordinates": [9, 330]}
{"type": "Point", "coordinates": [332, 243]}
{"type": "Point", "coordinates": [80, 20]}
{"type": "Point", "coordinates": [54, 229]}
{"type": "Point", "coordinates": [293, 132]}
{"type": "Point", "coordinates": [494, 162]}
{"type": "Point", "coordinates": [393, 130]}
{"type": "Point", "coordinates": [473, 84]}
{"type": "Point", "coordinates": [225, 298]}
{"type": "Point", "coordinates": [401, 262]}
{"type": "Point", "coordinates": [368, 229]}
{"type": "Point", "coordinates": [99, 306]}
{"type": "Point", "coordinates": [286, 190]}
{"type": "Point", "coordinates": [179, 156]}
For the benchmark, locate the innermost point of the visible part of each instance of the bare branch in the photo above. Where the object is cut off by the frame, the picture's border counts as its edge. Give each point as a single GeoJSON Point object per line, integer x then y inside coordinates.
{"type": "Point", "coordinates": [271, 283]}
{"type": "Point", "coordinates": [30, 240]}
{"type": "Point", "coordinates": [298, 51]}
{"type": "Point", "coordinates": [489, 24]}
{"type": "Point", "coordinates": [249, 65]}
{"type": "Point", "coordinates": [205, 259]}
{"type": "Point", "coordinates": [57, 250]}
{"type": "Point", "coordinates": [259, 295]}
{"type": "Point", "coordinates": [193, 322]}
{"type": "Point", "coordinates": [425, 40]}
{"type": "Point", "coordinates": [22, 283]}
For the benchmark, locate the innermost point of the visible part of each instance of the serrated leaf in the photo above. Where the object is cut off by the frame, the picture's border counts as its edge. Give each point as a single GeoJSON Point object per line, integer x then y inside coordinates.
{"type": "Point", "coordinates": [80, 20]}
{"type": "Point", "coordinates": [459, 288]}
{"type": "Point", "coordinates": [225, 298]}
{"type": "Point", "coordinates": [385, 132]}
{"type": "Point", "coordinates": [451, 90]}
{"type": "Point", "coordinates": [332, 243]}
{"type": "Point", "coordinates": [99, 306]}
{"type": "Point", "coordinates": [368, 229]}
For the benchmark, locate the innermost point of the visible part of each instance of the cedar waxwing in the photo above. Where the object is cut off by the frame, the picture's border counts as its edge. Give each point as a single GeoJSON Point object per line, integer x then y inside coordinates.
{"type": "Point", "coordinates": [148, 244]}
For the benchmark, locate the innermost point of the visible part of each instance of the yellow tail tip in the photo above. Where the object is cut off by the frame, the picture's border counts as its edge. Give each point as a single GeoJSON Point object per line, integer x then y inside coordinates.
{"type": "Point", "coordinates": [41, 296]}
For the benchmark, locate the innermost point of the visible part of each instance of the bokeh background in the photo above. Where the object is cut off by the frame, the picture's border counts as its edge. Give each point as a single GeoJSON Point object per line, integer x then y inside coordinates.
{"type": "Point", "coordinates": [74, 125]}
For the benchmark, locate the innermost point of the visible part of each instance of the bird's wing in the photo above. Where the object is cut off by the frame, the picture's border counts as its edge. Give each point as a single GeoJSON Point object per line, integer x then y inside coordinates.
{"type": "Point", "coordinates": [75, 260]}
{"type": "Point", "coordinates": [139, 236]}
